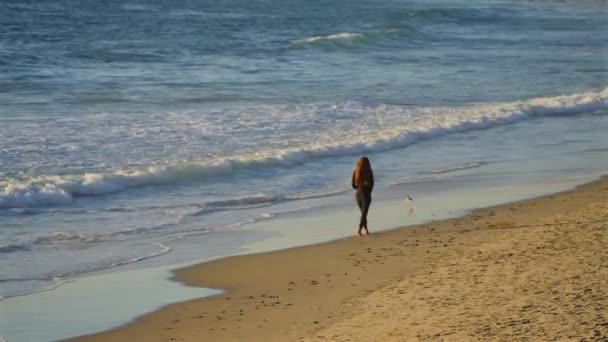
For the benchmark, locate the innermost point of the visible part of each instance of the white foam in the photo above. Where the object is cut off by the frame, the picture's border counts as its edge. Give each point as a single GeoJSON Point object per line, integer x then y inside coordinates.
{"type": "Point", "coordinates": [30, 194]}
{"type": "Point", "coordinates": [383, 128]}
{"type": "Point", "coordinates": [334, 36]}
{"type": "Point", "coordinates": [60, 237]}
{"type": "Point", "coordinates": [56, 190]}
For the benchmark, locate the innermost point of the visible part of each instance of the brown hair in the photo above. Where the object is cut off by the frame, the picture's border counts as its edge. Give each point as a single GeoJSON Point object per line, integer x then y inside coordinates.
{"type": "Point", "coordinates": [363, 173]}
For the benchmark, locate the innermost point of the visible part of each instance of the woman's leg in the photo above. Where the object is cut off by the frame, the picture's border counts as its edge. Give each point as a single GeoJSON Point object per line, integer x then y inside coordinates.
{"type": "Point", "coordinates": [360, 197]}
{"type": "Point", "coordinates": [367, 201]}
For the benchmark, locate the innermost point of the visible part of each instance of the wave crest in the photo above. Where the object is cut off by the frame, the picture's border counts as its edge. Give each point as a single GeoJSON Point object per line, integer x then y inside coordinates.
{"type": "Point", "coordinates": [342, 36]}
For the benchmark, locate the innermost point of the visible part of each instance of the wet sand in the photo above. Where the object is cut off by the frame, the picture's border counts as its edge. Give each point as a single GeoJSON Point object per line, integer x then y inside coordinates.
{"type": "Point", "coordinates": [529, 270]}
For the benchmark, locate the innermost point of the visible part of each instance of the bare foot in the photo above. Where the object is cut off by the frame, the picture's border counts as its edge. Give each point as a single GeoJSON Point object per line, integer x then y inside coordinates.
{"type": "Point", "coordinates": [359, 232]}
{"type": "Point", "coordinates": [365, 231]}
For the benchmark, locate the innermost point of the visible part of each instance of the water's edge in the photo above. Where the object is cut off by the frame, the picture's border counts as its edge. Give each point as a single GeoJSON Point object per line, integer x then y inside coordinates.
{"type": "Point", "coordinates": [261, 248]}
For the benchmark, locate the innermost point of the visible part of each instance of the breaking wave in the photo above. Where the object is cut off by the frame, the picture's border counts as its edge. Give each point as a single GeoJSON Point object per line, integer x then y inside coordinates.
{"type": "Point", "coordinates": [416, 124]}
{"type": "Point", "coordinates": [342, 36]}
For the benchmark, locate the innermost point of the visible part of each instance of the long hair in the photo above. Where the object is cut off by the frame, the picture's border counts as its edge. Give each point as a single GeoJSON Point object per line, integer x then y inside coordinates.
{"type": "Point", "coordinates": [363, 172]}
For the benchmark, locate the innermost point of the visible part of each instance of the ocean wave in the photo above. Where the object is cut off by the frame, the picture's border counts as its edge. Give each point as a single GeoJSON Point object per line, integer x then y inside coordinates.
{"type": "Point", "coordinates": [249, 202]}
{"type": "Point", "coordinates": [313, 194]}
{"type": "Point", "coordinates": [404, 32]}
{"type": "Point", "coordinates": [457, 167]}
{"type": "Point", "coordinates": [342, 36]}
{"type": "Point", "coordinates": [243, 201]}
{"type": "Point", "coordinates": [259, 201]}
{"type": "Point", "coordinates": [162, 230]}
{"type": "Point", "coordinates": [48, 240]}
{"type": "Point", "coordinates": [417, 124]}
{"type": "Point", "coordinates": [10, 248]}
{"type": "Point", "coordinates": [45, 191]}
{"type": "Point", "coordinates": [60, 237]}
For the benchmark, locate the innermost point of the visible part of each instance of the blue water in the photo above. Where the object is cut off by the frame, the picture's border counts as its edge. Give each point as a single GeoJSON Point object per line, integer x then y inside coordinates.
{"type": "Point", "coordinates": [127, 127]}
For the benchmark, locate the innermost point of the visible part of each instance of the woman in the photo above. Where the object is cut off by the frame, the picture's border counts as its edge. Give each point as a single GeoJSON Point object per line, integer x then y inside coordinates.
{"type": "Point", "coordinates": [363, 183]}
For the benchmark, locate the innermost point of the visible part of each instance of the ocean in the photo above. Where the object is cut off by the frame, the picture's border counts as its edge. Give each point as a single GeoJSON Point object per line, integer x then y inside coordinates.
{"type": "Point", "coordinates": [128, 128]}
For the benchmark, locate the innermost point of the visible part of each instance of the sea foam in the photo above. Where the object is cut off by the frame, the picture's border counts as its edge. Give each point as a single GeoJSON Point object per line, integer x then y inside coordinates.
{"type": "Point", "coordinates": [408, 126]}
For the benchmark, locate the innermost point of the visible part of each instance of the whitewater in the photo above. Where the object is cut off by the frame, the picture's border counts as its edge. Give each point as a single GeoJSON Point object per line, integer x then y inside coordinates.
{"type": "Point", "coordinates": [354, 129]}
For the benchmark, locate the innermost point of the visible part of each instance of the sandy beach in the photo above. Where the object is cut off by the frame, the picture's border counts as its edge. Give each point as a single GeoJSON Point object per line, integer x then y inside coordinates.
{"type": "Point", "coordinates": [529, 270]}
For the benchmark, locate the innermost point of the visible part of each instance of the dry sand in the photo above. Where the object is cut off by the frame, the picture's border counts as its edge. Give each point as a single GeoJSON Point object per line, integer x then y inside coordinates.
{"type": "Point", "coordinates": [530, 270]}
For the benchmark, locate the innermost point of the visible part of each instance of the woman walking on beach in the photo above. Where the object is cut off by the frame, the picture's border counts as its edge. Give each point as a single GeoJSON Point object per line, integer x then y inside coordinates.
{"type": "Point", "coordinates": [363, 183]}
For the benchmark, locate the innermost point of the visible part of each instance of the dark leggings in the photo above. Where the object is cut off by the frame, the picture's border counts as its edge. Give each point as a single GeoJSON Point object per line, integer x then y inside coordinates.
{"type": "Point", "coordinates": [364, 199]}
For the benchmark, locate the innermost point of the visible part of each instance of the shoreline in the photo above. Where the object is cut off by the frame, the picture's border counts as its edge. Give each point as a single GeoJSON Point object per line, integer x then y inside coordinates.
{"type": "Point", "coordinates": [294, 293]}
